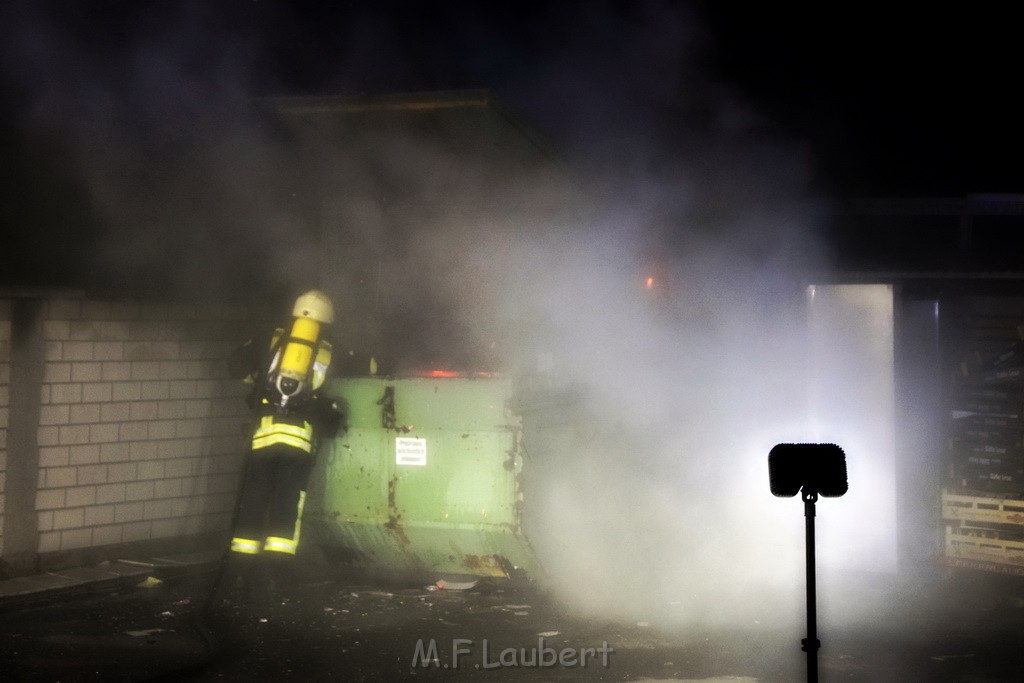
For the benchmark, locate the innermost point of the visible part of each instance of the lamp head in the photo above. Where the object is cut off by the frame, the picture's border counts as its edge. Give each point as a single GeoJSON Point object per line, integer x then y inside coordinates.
{"type": "Point", "coordinates": [813, 467]}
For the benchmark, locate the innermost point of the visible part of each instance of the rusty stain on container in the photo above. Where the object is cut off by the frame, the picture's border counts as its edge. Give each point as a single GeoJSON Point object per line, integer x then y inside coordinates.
{"type": "Point", "coordinates": [394, 525]}
{"type": "Point", "coordinates": [491, 564]}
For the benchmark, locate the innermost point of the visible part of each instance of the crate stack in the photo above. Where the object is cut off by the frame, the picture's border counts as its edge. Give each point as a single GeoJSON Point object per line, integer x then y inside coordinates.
{"type": "Point", "coordinates": [986, 435]}
{"type": "Point", "coordinates": [983, 500]}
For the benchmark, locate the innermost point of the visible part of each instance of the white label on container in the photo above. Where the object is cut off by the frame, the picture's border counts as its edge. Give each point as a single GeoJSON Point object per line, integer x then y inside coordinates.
{"type": "Point", "coordinates": [410, 451]}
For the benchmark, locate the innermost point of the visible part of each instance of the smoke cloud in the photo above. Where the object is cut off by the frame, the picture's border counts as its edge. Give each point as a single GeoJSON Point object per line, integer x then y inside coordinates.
{"type": "Point", "coordinates": [647, 492]}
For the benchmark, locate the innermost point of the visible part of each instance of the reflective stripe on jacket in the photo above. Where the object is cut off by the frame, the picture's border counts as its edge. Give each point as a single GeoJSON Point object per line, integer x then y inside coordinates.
{"type": "Point", "coordinates": [272, 432]}
{"type": "Point", "coordinates": [246, 546]}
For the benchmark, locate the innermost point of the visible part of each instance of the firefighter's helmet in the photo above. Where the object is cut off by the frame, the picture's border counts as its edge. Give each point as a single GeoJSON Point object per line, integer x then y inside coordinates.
{"type": "Point", "coordinates": [314, 305]}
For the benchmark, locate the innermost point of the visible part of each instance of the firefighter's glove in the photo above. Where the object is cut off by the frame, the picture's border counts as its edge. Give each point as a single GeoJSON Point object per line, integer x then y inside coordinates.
{"type": "Point", "coordinates": [252, 399]}
{"type": "Point", "coordinates": [330, 417]}
{"type": "Point", "coordinates": [244, 361]}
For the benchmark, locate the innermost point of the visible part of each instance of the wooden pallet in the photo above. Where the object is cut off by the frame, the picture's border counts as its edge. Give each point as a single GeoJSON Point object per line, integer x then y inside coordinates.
{"type": "Point", "coordinates": [976, 546]}
{"type": "Point", "coordinates": [963, 508]}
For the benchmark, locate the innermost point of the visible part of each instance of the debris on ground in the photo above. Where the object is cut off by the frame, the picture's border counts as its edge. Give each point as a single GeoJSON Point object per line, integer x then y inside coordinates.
{"type": "Point", "coordinates": [442, 584]}
{"type": "Point", "coordinates": [144, 632]}
{"type": "Point", "coordinates": [945, 658]}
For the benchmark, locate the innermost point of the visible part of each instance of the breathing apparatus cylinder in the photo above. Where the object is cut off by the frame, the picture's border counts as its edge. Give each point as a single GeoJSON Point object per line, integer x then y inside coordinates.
{"type": "Point", "coordinates": [297, 357]}
{"type": "Point", "coordinates": [300, 346]}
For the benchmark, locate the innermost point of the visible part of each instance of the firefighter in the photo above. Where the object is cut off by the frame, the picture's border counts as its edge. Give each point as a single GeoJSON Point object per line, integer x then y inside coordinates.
{"type": "Point", "coordinates": [286, 372]}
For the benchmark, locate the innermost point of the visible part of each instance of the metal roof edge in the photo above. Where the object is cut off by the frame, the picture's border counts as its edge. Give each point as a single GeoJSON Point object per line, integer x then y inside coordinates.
{"type": "Point", "coordinates": [410, 101]}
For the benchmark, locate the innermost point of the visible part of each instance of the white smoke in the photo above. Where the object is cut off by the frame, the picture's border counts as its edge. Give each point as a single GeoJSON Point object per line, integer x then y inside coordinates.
{"type": "Point", "coordinates": [652, 497]}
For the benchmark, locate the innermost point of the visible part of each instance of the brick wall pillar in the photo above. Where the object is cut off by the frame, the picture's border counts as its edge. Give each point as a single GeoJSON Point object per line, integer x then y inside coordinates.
{"type": "Point", "coordinates": [5, 375]}
{"type": "Point", "coordinates": [26, 361]}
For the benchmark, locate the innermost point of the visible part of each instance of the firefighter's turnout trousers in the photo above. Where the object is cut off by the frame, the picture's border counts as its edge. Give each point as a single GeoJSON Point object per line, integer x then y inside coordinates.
{"type": "Point", "coordinates": [274, 489]}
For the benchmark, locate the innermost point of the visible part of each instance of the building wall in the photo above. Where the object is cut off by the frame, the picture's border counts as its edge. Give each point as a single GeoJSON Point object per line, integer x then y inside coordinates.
{"type": "Point", "coordinates": [141, 432]}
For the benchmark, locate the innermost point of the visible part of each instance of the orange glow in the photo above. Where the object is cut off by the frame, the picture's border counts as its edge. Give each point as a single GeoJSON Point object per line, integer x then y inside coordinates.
{"type": "Point", "coordinates": [441, 373]}
{"type": "Point", "coordinates": [447, 374]}
{"type": "Point", "coordinates": [650, 283]}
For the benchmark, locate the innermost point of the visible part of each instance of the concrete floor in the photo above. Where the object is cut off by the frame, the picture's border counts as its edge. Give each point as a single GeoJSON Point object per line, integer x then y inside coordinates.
{"type": "Point", "coordinates": [329, 627]}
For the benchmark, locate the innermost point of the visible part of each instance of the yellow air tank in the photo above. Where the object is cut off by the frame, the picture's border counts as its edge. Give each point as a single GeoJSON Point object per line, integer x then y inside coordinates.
{"type": "Point", "coordinates": [297, 358]}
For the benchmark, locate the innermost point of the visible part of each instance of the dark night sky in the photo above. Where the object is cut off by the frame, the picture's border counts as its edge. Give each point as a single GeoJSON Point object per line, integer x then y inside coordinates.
{"type": "Point", "coordinates": [876, 101]}
{"type": "Point", "coordinates": [888, 101]}
{"type": "Point", "coordinates": [895, 102]}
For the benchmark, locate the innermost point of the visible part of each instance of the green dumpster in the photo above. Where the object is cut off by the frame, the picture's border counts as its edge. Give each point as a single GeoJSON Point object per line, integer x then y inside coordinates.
{"type": "Point", "coordinates": [424, 481]}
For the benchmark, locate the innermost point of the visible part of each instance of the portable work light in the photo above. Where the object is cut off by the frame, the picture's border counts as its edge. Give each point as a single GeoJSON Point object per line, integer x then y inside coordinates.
{"type": "Point", "coordinates": [810, 469]}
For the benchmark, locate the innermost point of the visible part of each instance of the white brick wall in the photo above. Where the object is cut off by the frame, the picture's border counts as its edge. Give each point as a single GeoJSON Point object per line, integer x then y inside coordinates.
{"type": "Point", "coordinates": [5, 373]}
{"type": "Point", "coordinates": [140, 430]}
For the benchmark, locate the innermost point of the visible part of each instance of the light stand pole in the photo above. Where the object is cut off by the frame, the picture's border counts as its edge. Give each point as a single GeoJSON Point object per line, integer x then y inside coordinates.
{"type": "Point", "coordinates": [810, 470]}
{"type": "Point", "coordinates": [811, 644]}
